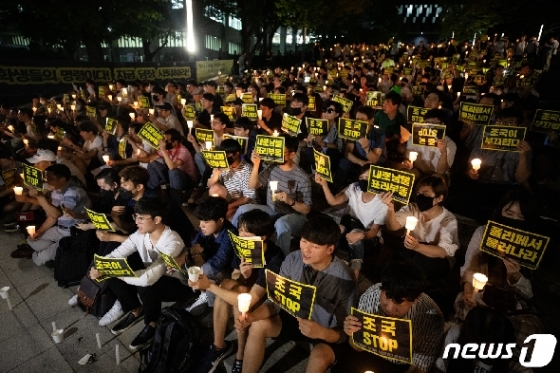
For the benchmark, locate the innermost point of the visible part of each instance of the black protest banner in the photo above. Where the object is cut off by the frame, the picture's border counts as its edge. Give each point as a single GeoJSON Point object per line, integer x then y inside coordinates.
{"type": "Point", "coordinates": [215, 159]}
{"type": "Point", "coordinates": [317, 127]}
{"type": "Point", "coordinates": [249, 249]}
{"type": "Point", "coordinates": [382, 179]}
{"type": "Point", "coordinates": [250, 111]}
{"type": "Point", "coordinates": [189, 112]}
{"type": "Point", "coordinates": [311, 106]}
{"type": "Point", "coordinates": [278, 98]}
{"type": "Point", "coordinates": [151, 134]}
{"type": "Point", "coordinates": [351, 129]}
{"type": "Point", "coordinates": [480, 114]}
{"type": "Point", "coordinates": [100, 221]}
{"type": "Point", "coordinates": [293, 297]}
{"type": "Point", "coordinates": [171, 262]}
{"type": "Point", "coordinates": [323, 165]}
{"type": "Point", "coordinates": [415, 114]}
{"type": "Point", "coordinates": [346, 103]}
{"type": "Point", "coordinates": [427, 134]}
{"type": "Point", "coordinates": [290, 124]}
{"type": "Point", "coordinates": [384, 336]}
{"type": "Point", "coordinates": [229, 111]}
{"type": "Point", "coordinates": [525, 247]}
{"type": "Point", "coordinates": [202, 135]}
{"type": "Point", "coordinates": [546, 120]}
{"type": "Point", "coordinates": [503, 138]}
{"type": "Point", "coordinates": [243, 141]}
{"type": "Point", "coordinates": [9, 176]}
{"type": "Point", "coordinates": [32, 176]}
{"type": "Point", "coordinates": [270, 148]}
{"type": "Point", "coordinates": [143, 102]}
{"type": "Point", "coordinates": [111, 125]}
{"type": "Point", "coordinates": [374, 99]}
{"type": "Point", "coordinates": [112, 267]}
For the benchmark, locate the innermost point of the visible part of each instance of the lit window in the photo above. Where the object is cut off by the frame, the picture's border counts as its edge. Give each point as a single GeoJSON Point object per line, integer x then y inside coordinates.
{"type": "Point", "coordinates": [177, 4]}
{"type": "Point", "coordinates": [213, 43]}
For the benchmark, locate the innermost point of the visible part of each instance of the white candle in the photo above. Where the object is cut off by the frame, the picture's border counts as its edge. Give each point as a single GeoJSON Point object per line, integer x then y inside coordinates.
{"type": "Point", "coordinates": [194, 273]}
{"type": "Point", "coordinates": [119, 99]}
{"type": "Point", "coordinates": [25, 142]}
{"type": "Point", "coordinates": [59, 148]}
{"type": "Point", "coordinates": [479, 281]}
{"type": "Point", "coordinates": [110, 87]}
{"type": "Point", "coordinates": [110, 97]}
{"type": "Point", "coordinates": [132, 116]}
{"type": "Point", "coordinates": [273, 188]}
{"type": "Point", "coordinates": [412, 156]}
{"type": "Point", "coordinates": [30, 230]}
{"type": "Point", "coordinates": [476, 164]}
{"type": "Point", "coordinates": [34, 109]}
{"type": "Point", "coordinates": [74, 96]}
{"type": "Point", "coordinates": [117, 355]}
{"type": "Point", "coordinates": [244, 303]}
{"type": "Point", "coordinates": [73, 107]}
{"type": "Point", "coordinates": [59, 106]}
{"type": "Point", "coordinates": [98, 338]}
{"type": "Point", "coordinates": [135, 104]}
{"type": "Point", "coordinates": [259, 113]}
{"type": "Point", "coordinates": [208, 145]}
{"type": "Point", "coordinates": [18, 191]}
{"type": "Point", "coordinates": [183, 101]}
{"type": "Point", "coordinates": [50, 136]}
{"type": "Point", "coordinates": [152, 111]}
{"type": "Point", "coordinates": [211, 117]}
{"type": "Point", "coordinates": [53, 324]}
{"type": "Point", "coordinates": [275, 133]}
{"type": "Point", "coordinates": [11, 128]}
{"type": "Point", "coordinates": [106, 158]}
{"type": "Point", "coordinates": [190, 124]}
{"type": "Point", "coordinates": [410, 223]}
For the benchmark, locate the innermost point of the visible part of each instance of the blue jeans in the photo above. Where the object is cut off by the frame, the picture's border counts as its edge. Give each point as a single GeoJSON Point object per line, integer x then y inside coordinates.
{"type": "Point", "coordinates": [285, 225]}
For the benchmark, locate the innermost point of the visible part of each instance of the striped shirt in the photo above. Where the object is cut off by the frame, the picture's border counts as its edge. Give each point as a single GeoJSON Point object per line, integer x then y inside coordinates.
{"type": "Point", "coordinates": [236, 181]}
{"type": "Point", "coordinates": [295, 183]}
{"type": "Point", "coordinates": [427, 325]}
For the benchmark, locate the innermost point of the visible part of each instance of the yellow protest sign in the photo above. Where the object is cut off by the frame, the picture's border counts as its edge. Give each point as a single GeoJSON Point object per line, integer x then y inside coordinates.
{"type": "Point", "coordinates": [290, 124]}
{"type": "Point", "coordinates": [546, 120]}
{"type": "Point", "coordinates": [418, 90]}
{"type": "Point", "coordinates": [311, 106]}
{"type": "Point", "coordinates": [250, 111]}
{"type": "Point", "coordinates": [243, 141]}
{"type": "Point", "coordinates": [111, 125]}
{"type": "Point", "coordinates": [293, 297]}
{"type": "Point", "coordinates": [346, 103]}
{"type": "Point", "coordinates": [351, 129]}
{"type": "Point", "coordinates": [32, 176]}
{"type": "Point", "coordinates": [278, 98]}
{"type": "Point", "coordinates": [215, 158]}
{"type": "Point", "coordinates": [415, 114]}
{"type": "Point", "coordinates": [247, 98]}
{"type": "Point", "coordinates": [270, 148]}
{"type": "Point", "coordinates": [151, 134]}
{"type": "Point", "coordinates": [112, 267]}
{"type": "Point", "coordinates": [249, 249]}
{"type": "Point", "coordinates": [122, 148]}
{"type": "Point", "coordinates": [503, 138]}
{"type": "Point", "coordinates": [91, 112]}
{"type": "Point", "coordinates": [189, 112]}
{"type": "Point", "coordinates": [374, 99]}
{"type": "Point", "coordinates": [202, 135]}
{"type": "Point", "coordinates": [59, 133]}
{"type": "Point", "coordinates": [101, 92]}
{"type": "Point", "coordinates": [480, 114]}
{"type": "Point", "coordinates": [229, 111]}
{"type": "Point", "coordinates": [427, 134]}
{"type": "Point", "coordinates": [382, 179]}
{"type": "Point", "coordinates": [317, 127]}
{"type": "Point", "coordinates": [9, 176]}
{"type": "Point", "coordinates": [171, 262]}
{"type": "Point", "coordinates": [100, 221]}
{"type": "Point", "coordinates": [524, 247]}
{"type": "Point", "coordinates": [323, 165]}
{"type": "Point", "coordinates": [143, 102]}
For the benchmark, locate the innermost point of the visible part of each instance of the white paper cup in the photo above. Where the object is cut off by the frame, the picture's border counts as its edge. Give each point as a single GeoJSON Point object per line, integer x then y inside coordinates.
{"type": "Point", "coordinates": [244, 302]}
{"type": "Point", "coordinates": [410, 223]}
{"type": "Point", "coordinates": [412, 156]}
{"type": "Point", "coordinates": [18, 191]}
{"type": "Point", "coordinates": [58, 335]}
{"type": "Point", "coordinates": [194, 273]}
{"type": "Point", "coordinates": [30, 230]}
{"type": "Point", "coordinates": [4, 292]}
{"type": "Point", "coordinates": [479, 281]}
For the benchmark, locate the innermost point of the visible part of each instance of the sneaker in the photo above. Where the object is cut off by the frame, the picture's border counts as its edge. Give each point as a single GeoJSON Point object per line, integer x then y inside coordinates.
{"type": "Point", "coordinates": [73, 302]}
{"type": "Point", "coordinates": [11, 227]}
{"type": "Point", "coordinates": [143, 339]}
{"type": "Point", "coordinates": [196, 194]}
{"type": "Point", "coordinates": [115, 313]}
{"type": "Point", "coordinates": [237, 366]}
{"type": "Point", "coordinates": [213, 358]}
{"type": "Point", "coordinates": [199, 305]}
{"type": "Point", "coordinates": [126, 323]}
{"type": "Point", "coordinates": [23, 251]}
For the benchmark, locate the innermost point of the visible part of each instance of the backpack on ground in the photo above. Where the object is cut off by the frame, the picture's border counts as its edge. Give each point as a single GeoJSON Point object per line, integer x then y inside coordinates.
{"type": "Point", "coordinates": [73, 257]}
{"type": "Point", "coordinates": [175, 344]}
{"type": "Point", "coordinates": [94, 297]}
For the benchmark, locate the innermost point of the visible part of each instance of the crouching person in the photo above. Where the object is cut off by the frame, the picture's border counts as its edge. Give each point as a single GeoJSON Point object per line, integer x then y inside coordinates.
{"type": "Point", "coordinates": [152, 283]}
{"type": "Point", "coordinates": [336, 292]}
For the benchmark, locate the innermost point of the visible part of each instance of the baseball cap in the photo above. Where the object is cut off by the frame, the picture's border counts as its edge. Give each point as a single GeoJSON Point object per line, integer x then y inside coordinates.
{"type": "Point", "coordinates": [42, 155]}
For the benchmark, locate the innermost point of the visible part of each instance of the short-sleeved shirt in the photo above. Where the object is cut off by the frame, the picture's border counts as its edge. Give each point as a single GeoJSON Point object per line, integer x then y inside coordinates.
{"type": "Point", "coordinates": [295, 183]}
{"type": "Point", "coordinates": [376, 138]}
{"type": "Point", "coordinates": [389, 127]}
{"type": "Point", "coordinates": [72, 197]}
{"type": "Point", "coordinates": [332, 137]}
{"type": "Point", "coordinates": [368, 213]}
{"type": "Point", "coordinates": [427, 325]}
{"type": "Point", "coordinates": [236, 182]}
{"type": "Point", "coordinates": [273, 258]}
{"type": "Point", "coordinates": [171, 123]}
{"type": "Point", "coordinates": [187, 166]}
{"type": "Point", "coordinates": [96, 144]}
{"type": "Point", "coordinates": [428, 156]}
{"type": "Point", "coordinates": [497, 167]}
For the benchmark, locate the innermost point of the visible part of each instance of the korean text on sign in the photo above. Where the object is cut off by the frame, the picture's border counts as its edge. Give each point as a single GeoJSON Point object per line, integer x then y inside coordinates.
{"type": "Point", "coordinates": [415, 114]}
{"type": "Point", "coordinates": [215, 159]}
{"type": "Point", "coordinates": [247, 98]}
{"type": "Point", "coordinates": [323, 165]}
{"type": "Point", "coordinates": [32, 176]}
{"type": "Point", "coordinates": [427, 134]}
{"type": "Point", "coordinates": [504, 138]}
{"type": "Point", "coordinates": [374, 98]}
{"type": "Point", "coordinates": [546, 120]}
{"type": "Point", "coordinates": [278, 98]}
{"type": "Point", "coordinates": [293, 297]}
{"type": "Point", "coordinates": [250, 250]}
{"type": "Point", "coordinates": [250, 111]}
{"type": "Point", "coordinates": [243, 141]}
{"type": "Point", "coordinates": [112, 267]}
{"type": "Point", "coordinates": [525, 247]}
{"type": "Point", "coordinates": [311, 106]}
{"type": "Point", "coordinates": [317, 127]}
{"type": "Point", "coordinates": [111, 125]}
{"type": "Point", "coordinates": [290, 124]}
{"type": "Point", "coordinates": [351, 129]}
{"type": "Point", "coordinates": [189, 112]}
{"type": "Point", "coordinates": [100, 221]}
{"type": "Point", "coordinates": [270, 148]}
{"type": "Point", "coordinates": [346, 103]}
{"type": "Point", "coordinates": [171, 262]}
{"type": "Point", "coordinates": [384, 336]}
{"type": "Point", "coordinates": [203, 135]}
{"type": "Point", "coordinates": [9, 176]}
{"type": "Point", "coordinates": [229, 111]}
{"type": "Point", "coordinates": [151, 134]}
{"type": "Point", "coordinates": [382, 179]}
{"type": "Point", "coordinates": [480, 114]}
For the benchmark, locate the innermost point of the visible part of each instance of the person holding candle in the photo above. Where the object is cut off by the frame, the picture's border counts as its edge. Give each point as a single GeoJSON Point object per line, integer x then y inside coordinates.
{"type": "Point", "coordinates": [210, 86]}
{"type": "Point", "coordinates": [91, 149]}
{"type": "Point", "coordinates": [329, 143]}
{"type": "Point", "coordinates": [271, 120]}
{"type": "Point", "coordinates": [203, 118]}
{"type": "Point", "coordinates": [251, 280]}
{"type": "Point", "coordinates": [166, 119]}
{"type": "Point", "coordinates": [116, 145]}
{"type": "Point", "coordinates": [433, 242]}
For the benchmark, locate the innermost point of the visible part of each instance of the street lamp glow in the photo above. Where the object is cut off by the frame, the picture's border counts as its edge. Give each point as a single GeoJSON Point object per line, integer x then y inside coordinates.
{"type": "Point", "coordinates": [191, 47]}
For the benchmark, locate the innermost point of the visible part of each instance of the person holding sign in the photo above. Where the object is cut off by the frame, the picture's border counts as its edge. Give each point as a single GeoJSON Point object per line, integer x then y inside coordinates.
{"type": "Point", "coordinates": [399, 295]}
{"type": "Point", "coordinates": [251, 280]}
{"type": "Point", "coordinates": [116, 145]}
{"type": "Point", "coordinates": [434, 240]}
{"type": "Point", "coordinates": [329, 143]}
{"type": "Point", "coordinates": [243, 127]}
{"type": "Point", "coordinates": [271, 120]}
{"type": "Point", "coordinates": [335, 293]}
{"type": "Point", "coordinates": [92, 147]}
{"type": "Point", "coordinates": [166, 119]}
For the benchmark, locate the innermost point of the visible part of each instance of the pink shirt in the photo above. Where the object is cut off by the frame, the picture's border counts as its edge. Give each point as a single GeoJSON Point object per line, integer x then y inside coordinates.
{"type": "Point", "coordinates": [181, 153]}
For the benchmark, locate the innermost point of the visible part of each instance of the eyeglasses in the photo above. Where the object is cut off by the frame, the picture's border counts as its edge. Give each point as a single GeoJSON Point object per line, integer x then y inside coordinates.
{"type": "Point", "coordinates": [329, 110]}
{"type": "Point", "coordinates": [140, 219]}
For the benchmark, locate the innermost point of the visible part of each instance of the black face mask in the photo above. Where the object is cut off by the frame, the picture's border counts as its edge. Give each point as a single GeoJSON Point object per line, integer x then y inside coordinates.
{"type": "Point", "coordinates": [125, 194]}
{"type": "Point", "coordinates": [514, 223]}
{"type": "Point", "coordinates": [424, 203]}
{"type": "Point", "coordinates": [230, 160]}
{"type": "Point", "coordinates": [363, 185]}
{"type": "Point", "coordinates": [296, 111]}
{"type": "Point", "coordinates": [168, 146]}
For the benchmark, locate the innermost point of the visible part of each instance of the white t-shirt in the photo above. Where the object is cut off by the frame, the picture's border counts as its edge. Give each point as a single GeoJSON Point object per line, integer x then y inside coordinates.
{"type": "Point", "coordinates": [96, 144]}
{"type": "Point", "coordinates": [372, 212]}
{"type": "Point", "coordinates": [428, 156]}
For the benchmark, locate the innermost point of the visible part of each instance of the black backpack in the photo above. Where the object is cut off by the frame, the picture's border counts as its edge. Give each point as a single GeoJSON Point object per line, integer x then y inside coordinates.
{"type": "Point", "coordinates": [175, 344]}
{"type": "Point", "coordinates": [73, 256]}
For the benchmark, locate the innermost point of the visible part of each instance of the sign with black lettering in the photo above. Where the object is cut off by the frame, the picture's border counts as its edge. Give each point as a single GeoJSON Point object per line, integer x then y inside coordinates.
{"type": "Point", "coordinates": [247, 98]}
{"type": "Point", "coordinates": [323, 165]}
{"type": "Point", "coordinates": [480, 114]}
{"type": "Point", "coordinates": [112, 267]}
{"type": "Point", "coordinates": [270, 148]}
{"type": "Point", "coordinates": [32, 176]}
{"type": "Point", "coordinates": [351, 129]}
{"type": "Point", "coordinates": [346, 103]}
{"type": "Point", "coordinates": [111, 125]}
{"type": "Point", "coordinates": [91, 112]}
{"type": "Point", "coordinates": [317, 127]}
{"type": "Point", "coordinates": [546, 120]}
{"type": "Point", "coordinates": [293, 297]}
{"type": "Point", "coordinates": [122, 148]}
{"type": "Point", "coordinates": [290, 124]}
{"type": "Point", "coordinates": [202, 135]}
{"type": "Point", "coordinates": [311, 105]}
{"type": "Point", "coordinates": [189, 112]}
{"type": "Point", "coordinates": [524, 247]}
{"type": "Point", "coordinates": [388, 337]}
{"type": "Point", "coordinates": [9, 176]}
{"type": "Point", "coordinates": [500, 81]}
{"type": "Point", "coordinates": [503, 138]}
{"type": "Point", "coordinates": [250, 111]}
{"type": "Point", "coordinates": [215, 159]}
{"type": "Point", "coordinates": [151, 134]}
{"type": "Point", "coordinates": [171, 262]}
{"type": "Point", "coordinates": [278, 98]}
{"type": "Point", "coordinates": [382, 179]}
{"type": "Point", "coordinates": [249, 249]}
{"type": "Point", "coordinates": [100, 221]}
{"type": "Point", "coordinates": [374, 99]}
{"type": "Point", "coordinates": [143, 102]}
{"type": "Point", "coordinates": [417, 90]}
{"type": "Point", "coordinates": [415, 114]}
{"type": "Point", "coordinates": [427, 134]}
{"type": "Point", "coordinates": [229, 111]}
{"type": "Point", "coordinates": [101, 91]}
{"type": "Point", "coordinates": [470, 90]}
{"type": "Point", "coordinates": [243, 141]}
